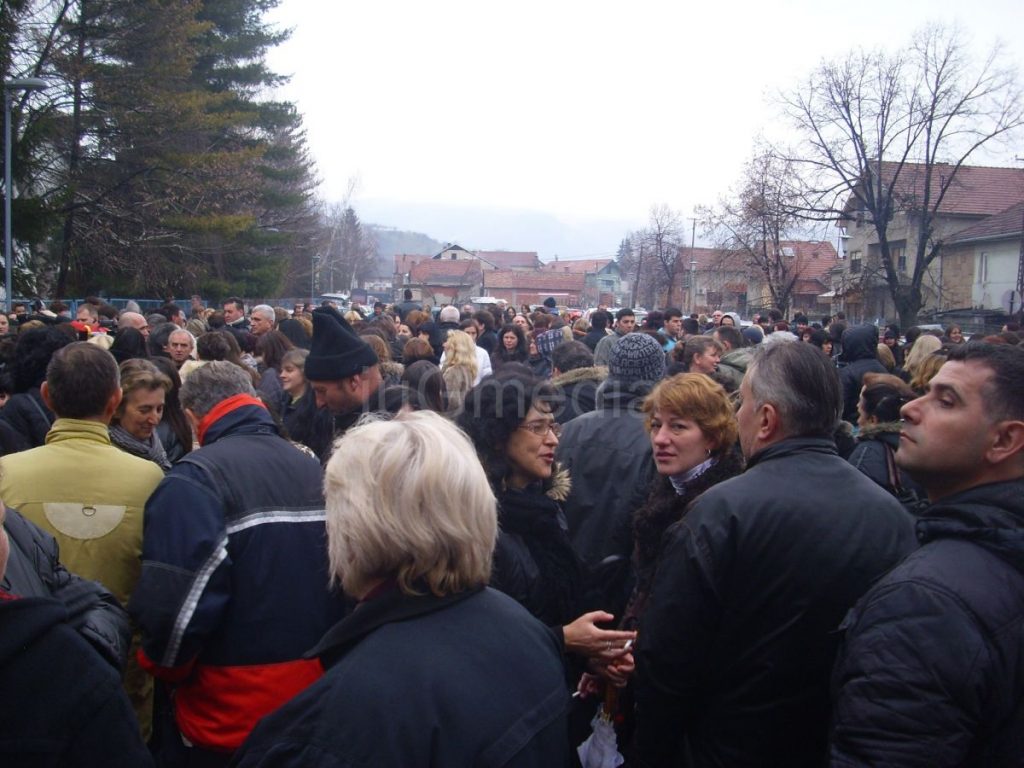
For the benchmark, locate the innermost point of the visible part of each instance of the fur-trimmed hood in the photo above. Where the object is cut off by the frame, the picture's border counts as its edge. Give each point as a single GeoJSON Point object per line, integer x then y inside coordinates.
{"type": "Point", "coordinates": [558, 486]}
{"type": "Point", "coordinates": [875, 431]}
{"type": "Point", "coordinates": [596, 373]}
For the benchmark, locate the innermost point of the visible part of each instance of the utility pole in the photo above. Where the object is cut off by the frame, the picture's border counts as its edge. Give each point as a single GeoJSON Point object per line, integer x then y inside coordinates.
{"type": "Point", "coordinates": [639, 265]}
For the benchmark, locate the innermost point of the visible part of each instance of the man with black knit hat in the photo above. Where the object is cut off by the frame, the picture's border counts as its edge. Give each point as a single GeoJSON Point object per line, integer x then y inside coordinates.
{"type": "Point", "coordinates": [342, 369]}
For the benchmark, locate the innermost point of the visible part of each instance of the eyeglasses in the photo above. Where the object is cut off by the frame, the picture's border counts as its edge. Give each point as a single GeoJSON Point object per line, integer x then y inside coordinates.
{"type": "Point", "coordinates": [540, 428]}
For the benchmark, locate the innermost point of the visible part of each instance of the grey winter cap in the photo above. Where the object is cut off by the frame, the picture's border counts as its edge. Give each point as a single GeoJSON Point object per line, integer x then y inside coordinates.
{"type": "Point", "coordinates": [636, 357]}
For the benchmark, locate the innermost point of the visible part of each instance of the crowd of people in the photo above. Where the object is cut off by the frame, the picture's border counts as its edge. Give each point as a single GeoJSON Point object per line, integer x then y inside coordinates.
{"type": "Point", "coordinates": [398, 537]}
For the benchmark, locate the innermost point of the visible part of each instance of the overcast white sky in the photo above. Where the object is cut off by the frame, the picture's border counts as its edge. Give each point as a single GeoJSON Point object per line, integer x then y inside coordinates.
{"type": "Point", "coordinates": [582, 110]}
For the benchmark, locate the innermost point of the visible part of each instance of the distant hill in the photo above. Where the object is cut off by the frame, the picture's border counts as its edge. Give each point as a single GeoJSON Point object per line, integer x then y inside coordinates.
{"type": "Point", "coordinates": [392, 241]}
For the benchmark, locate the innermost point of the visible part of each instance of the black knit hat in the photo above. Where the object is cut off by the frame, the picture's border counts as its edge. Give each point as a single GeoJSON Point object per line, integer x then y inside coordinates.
{"type": "Point", "coordinates": [337, 352]}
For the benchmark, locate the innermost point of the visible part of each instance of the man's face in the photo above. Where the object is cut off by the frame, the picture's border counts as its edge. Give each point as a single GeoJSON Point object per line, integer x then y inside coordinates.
{"type": "Point", "coordinates": [333, 395]}
{"type": "Point", "coordinates": [83, 315]}
{"type": "Point", "coordinates": [947, 431]}
{"type": "Point", "coordinates": [626, 324]}
{"type": "Point", "coordinates": [179, 347]}
{"type": "Point", "coordinates": [716, 317]}
{"type": "Point", "coordinates": [136, 321]}
{"type": "Point", "coordinates": [231, 312]}
{"type": "Point", "coordinates": [258, 324]}
{"type": "Point", "coordinates": [674, 327]}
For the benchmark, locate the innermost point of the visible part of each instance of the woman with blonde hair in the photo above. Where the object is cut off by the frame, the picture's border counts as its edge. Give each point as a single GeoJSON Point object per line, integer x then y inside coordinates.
{"type": "Point", "coordinates": [459, 367]}
{"type": "Point", "coordinates": [411, 528]}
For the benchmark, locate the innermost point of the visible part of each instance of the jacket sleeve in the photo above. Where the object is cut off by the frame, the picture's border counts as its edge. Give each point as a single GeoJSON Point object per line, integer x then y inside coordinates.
{"type": "Point", "coordinates": [677, 633]}
{"type": "Point", "coordinates": [909, 685]}
{"type": "Point", "coordinates": [92, 610]}
{"type": "Point", "coordinates": [184, 588]}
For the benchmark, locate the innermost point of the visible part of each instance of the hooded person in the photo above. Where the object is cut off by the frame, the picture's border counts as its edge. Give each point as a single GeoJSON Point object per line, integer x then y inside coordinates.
{"type": "Point", "coordinates": [859, 356]}
{"type": "Point", "coordinates": [342, 369]}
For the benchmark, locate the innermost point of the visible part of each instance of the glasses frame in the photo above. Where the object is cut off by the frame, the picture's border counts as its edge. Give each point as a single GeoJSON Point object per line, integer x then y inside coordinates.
{"type": "Point", "coordinates": [541, 428]}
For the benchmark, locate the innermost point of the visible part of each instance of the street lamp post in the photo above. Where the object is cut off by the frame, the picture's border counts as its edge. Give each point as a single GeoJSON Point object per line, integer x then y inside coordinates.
{"type": "Point", "coordinates": [22, 84]}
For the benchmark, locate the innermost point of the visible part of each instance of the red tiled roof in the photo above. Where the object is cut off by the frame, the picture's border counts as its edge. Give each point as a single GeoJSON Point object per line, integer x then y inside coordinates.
{"type": "Point", "coordinates": [406, 261]}
{"type": "Point", "coordinates": [535, 281]}
{"type": "Point", "coordinates": [1002, 225]}
{"type": "Point", "coordinates": [813, 259]}
{"type": "Point", "coordinates": [734, 288]}
{"type": "Point", "coordinates": [509, 259]}
{"type": "Point", "coordinates": [809, 285]}
{"type": "Point", "coordinates": [975, 190]}
{"type": "Point", "coordinates": [467, 271]}
{"type": "Point", "coordinates": [572, 266]}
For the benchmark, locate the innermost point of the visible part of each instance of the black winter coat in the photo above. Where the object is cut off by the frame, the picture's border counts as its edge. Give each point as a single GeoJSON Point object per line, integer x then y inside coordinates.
{"type": "Point", "coordinates": [62, 705]}
{"type": "Point", "coordinates": [931, 672]}
{"type": "Point", "coordinates": [34, 570]}
{"type": "Point", "coordinates": [738, 639]}
{"type": "Point", "coordinates": [466, 679]}
{"type": "Point", "coordinates": [608, 455]}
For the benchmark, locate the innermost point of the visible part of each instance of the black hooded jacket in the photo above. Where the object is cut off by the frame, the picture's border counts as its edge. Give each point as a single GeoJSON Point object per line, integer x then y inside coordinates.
{"type": "Point", "coordinates": [932, 668]}
{"type": "Point", "coordinates": [860, 356]}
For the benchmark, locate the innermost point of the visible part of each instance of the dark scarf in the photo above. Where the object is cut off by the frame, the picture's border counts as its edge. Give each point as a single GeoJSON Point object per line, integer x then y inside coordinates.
{"type": "Point", "coordinates": [152, 450]}
{"type": "Point", "coordinates": [537, 519]}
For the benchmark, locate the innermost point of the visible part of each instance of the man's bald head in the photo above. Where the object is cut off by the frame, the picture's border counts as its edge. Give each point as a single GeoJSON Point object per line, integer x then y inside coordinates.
{"type": "Point", "coordinates": [134, 320]}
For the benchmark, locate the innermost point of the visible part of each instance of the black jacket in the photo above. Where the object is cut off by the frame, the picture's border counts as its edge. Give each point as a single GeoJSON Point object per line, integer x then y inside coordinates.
{"type": "Point", "coordinates": [593, 337]}
{"type": "Point", "coordinates": [62, 705]}
{"type": "Point", "coordinates": [860, 356]}
{"type": "Point", "coordinates": [932, 670]}
{"type": "Point", "coordinates": [34, 570]}
{"type": "Point", "coordinates": [466, 679]}
{"type": "Point", "coordinates": [534, 562]}
{"type": "Point", "coordinates": [608, 455]}
{"type": "Point", "coordinates": [26, 420]}
{"type": "Point", "coordinates": [738, 639]}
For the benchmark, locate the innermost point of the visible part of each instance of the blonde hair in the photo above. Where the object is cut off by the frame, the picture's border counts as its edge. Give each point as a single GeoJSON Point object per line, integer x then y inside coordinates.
{"type": "Point", "coordinates": [926, 371]}
{"type": "Point", "coordinates": [408, 499]}
{"type": "Point", "coordinates": [886, 357]}
{"type": "Point", "coordinates": [460, 350]}
{"type": "Point", "coordinates": [923, 347]}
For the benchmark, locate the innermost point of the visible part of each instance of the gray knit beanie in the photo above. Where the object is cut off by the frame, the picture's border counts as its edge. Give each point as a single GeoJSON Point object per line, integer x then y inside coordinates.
{"type": "Point", "coordinates": [636, 357]}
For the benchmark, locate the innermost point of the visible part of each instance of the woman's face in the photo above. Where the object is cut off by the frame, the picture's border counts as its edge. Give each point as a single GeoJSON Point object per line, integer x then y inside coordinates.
{"type": "Point", "coordinates": [532, 456]}
{"type": "Point", "coordinates": [706, 361]}
{"type": "Point", "coordinates": [5, 324]}
{"type": "Point", "coordinates": [956, 335]}
{"type": "Point", "coordinates": [293, 381]}
{"type": "Point", "coordinates": [510, 340]}
{"type": "Point", "coordinates": [403, 330]}
{"type": "Point", "coordinates": [521, 322]}
{"type": "Point", "coordinates": [678, 444]}
{"type": "Point", "coordinates": [826, 347]}
{"type": "Point", "coordinates": [142, 412]}
{"type": "Point", "coordinates": [470, 331]}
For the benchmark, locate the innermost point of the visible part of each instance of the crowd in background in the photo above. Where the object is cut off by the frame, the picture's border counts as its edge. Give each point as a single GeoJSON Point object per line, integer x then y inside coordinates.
{"type": "Point", "coordinates": [731, 538]}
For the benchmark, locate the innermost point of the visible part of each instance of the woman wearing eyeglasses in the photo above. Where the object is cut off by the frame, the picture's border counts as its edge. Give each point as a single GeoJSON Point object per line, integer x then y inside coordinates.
{"type": "Point", "coordinates": [509, 419]}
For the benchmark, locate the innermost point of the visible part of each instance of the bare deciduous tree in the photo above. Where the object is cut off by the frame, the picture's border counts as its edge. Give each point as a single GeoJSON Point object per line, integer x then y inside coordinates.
{"type": "Point", "coordinates": [886, 135]}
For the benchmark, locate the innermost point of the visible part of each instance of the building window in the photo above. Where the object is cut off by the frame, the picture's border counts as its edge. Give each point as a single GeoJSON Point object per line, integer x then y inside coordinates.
{"type": "Point", "coordinates": [899, 257]}
{"type": "Point", "coordinates": [854, 262]}
{"type": "Point", "coordinates": [983, 267]}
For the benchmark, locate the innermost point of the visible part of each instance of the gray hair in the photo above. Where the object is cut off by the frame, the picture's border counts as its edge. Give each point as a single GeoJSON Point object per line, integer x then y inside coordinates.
{"type": "Point", "coordinates": [214, 382]}
{"type": "Point", "coordinates": [265, 311]}
{"type": "Point", "coordinates": [191, 338]}
{"type": "Point", "coordinates": [803, 385]}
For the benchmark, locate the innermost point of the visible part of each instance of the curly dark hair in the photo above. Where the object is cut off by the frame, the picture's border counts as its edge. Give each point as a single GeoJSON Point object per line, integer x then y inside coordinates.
{"type": "Point", "coordinates": [33, 352]}
{"type": "Point", "coordinates": [493, 410]}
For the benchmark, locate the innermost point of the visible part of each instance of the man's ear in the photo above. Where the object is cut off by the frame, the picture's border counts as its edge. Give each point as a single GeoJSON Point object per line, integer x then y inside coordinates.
{"type": "Point", "coordinates": [768, 422]}
{"type": "Point", "coordinates": [112, 402]}
{"type": "Point", "coordinates": [44, 392]}
{"type": "Point", "coordinates": [1007, 442]}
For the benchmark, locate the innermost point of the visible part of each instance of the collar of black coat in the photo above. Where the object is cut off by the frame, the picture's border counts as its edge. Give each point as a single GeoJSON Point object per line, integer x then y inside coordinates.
{"type": "Point", "coordinates": [387, 608]}
{"type": "Point", "coordinates": [990, 516]}
{"type": "Point", "coordinates": [791, 446]}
